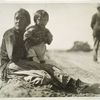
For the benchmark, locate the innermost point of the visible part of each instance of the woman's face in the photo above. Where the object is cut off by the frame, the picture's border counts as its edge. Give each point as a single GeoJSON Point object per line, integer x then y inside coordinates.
{"type": "Point", "coordinates": [20, 21]}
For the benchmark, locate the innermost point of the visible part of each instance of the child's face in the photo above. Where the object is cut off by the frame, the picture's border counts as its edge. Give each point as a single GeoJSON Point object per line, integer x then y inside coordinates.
{"type": "Point", "coordinates": [42, 21]}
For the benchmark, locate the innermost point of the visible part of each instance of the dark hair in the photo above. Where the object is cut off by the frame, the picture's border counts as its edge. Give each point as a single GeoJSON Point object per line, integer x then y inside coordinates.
{"type": "Point", "coordinates": [41, 13]}
{"type": "Point", "coordinates": [24, 13]}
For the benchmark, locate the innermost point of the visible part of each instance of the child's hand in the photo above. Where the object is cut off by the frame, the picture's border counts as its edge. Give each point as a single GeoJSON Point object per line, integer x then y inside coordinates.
{"type": "Point", "coordinates": [27, 34]}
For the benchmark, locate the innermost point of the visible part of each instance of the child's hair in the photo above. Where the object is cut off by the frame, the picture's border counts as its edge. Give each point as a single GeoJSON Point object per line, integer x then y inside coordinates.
{"type": "Point", "coordinates": [41, 13]}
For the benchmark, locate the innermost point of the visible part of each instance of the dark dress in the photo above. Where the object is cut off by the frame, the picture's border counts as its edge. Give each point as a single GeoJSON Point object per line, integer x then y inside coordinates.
{"type": "Point", "coordinates": [13, 50]}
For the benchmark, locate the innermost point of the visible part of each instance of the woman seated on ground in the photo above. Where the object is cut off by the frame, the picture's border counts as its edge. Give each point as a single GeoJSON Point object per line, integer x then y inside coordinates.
{"type": "Point", "coordinates": [13, 51]}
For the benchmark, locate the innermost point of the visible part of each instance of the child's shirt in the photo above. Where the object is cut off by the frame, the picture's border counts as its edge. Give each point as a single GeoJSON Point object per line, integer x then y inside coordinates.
{"type": "Point", "coordinates": [35, 35]}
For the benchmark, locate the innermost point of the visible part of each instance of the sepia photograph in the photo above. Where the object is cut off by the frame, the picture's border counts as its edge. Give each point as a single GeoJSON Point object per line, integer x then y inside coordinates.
{"type": "Point", "coordinates": [49, 50]}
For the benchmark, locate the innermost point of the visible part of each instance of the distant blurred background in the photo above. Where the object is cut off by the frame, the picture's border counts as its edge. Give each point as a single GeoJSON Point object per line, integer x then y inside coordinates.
{"type": "Point", "coordinates": [69, 22]}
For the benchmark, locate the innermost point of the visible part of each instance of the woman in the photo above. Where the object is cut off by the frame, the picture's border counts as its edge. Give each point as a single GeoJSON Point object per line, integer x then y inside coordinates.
{"type": "Point", "coordinates": [13, 51]}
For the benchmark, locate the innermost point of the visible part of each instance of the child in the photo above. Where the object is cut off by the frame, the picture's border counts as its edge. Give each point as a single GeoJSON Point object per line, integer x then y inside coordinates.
{"type": "Point", "coordinates": [37, 36]}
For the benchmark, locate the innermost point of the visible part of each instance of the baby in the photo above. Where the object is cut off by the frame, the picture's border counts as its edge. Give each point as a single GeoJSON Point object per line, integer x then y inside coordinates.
{"type": "Point", "coordinates": [37, 36]}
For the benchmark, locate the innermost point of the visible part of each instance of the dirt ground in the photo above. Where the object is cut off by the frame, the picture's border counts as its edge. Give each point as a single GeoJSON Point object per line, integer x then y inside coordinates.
{"type": "Point", "coordinates": [76, 64]}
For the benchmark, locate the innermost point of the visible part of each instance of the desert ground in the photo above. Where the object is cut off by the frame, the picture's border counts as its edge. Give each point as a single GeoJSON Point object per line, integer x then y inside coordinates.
{"type": "Point", "coordinates": [76, 64]}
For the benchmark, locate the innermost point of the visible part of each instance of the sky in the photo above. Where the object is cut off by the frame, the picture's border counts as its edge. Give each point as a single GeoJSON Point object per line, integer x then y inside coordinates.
{"type": "Point", "coordinates": [68, 22]}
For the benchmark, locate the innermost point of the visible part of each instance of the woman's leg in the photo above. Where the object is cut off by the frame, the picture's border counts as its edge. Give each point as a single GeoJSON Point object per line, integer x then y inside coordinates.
{"type": "Point", "coordinates": [59, 79]}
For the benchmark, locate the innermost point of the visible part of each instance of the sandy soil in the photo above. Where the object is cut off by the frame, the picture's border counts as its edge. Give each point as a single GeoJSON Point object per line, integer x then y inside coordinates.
{"type": "Point", "coordinates": [78, 65]}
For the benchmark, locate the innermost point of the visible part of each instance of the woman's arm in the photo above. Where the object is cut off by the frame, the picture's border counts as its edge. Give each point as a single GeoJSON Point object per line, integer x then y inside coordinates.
{"type": "Point", "coordinates": [6, 54]}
